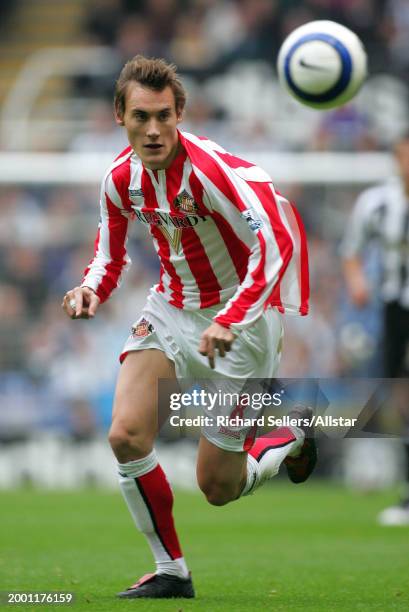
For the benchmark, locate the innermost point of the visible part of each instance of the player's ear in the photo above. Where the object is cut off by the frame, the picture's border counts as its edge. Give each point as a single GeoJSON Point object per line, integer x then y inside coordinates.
{"type": "Point", "coordinates": [119, 116]}
{"type": "Point", "coordinates": [179, 114]}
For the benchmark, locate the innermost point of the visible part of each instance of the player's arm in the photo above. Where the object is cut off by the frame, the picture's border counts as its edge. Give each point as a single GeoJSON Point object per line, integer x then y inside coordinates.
{"type": "Point", "coordinates": [110, 260]}
{"type": "Point", "coordinates": [356, 236]}
{"type": "Point", "coordinates": [271, 248]}
{"type": "Point", "coordinates": [356, 281]}
{"type": "Point", "coordinates": [270, 251]}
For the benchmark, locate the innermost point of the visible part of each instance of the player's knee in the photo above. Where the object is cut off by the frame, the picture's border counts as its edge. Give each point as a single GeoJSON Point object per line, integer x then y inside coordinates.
{"type": "Point", "coordinates": [128, 445]}
{"type": "Point", "coordinates": [217, 494]}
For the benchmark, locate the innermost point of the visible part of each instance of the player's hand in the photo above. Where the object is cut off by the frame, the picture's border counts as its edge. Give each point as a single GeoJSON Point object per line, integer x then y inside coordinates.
{"type": "Point", "coordinates": [356, 282]}
{"type": "Point", "coordinates": [80, 303]}
{"type": "Point", "coordinates": [359, 293]}
{"type": "Point", "coordinates": [215, 337]}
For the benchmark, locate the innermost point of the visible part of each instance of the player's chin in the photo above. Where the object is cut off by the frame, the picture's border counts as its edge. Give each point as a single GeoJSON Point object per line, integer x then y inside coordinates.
{"type": "Point", "coordinates": [154, 158]}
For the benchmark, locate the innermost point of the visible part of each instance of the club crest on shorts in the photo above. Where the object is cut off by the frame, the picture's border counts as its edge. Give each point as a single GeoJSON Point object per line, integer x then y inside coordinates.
{"type": "Point", "coordinates": [229, 433]}
{"type": "Point", "coordinates": [185, 203]}
{"type": "Point", "coordinates": [252, 219]}
{"type": "Point", "coordinates": [141, 328]}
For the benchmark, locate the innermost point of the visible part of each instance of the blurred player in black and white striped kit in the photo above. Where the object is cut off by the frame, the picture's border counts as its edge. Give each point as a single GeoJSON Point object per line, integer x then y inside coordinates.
{"type": "Point", "coordinates": [381, 213]}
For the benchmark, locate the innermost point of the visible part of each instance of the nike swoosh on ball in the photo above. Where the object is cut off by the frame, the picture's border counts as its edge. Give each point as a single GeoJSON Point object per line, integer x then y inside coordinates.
{"type": "Point", "coordinates": [304, 64]}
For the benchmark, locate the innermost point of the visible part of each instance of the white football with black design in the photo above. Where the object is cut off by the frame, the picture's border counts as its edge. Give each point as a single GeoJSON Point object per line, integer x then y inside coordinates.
{"type": "Point", "coordinates": [322, 64]}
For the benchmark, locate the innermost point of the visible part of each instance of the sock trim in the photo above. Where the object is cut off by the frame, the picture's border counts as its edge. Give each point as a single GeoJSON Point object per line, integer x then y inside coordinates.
{"type": "Point", "coordinates": [138, 467]}
{"type": "Point", "coordinates": [152, 515]}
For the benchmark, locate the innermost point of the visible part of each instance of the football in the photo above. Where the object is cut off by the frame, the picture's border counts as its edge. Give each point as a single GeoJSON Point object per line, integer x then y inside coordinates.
{"type": "Point", "coordinates": [322, 64]}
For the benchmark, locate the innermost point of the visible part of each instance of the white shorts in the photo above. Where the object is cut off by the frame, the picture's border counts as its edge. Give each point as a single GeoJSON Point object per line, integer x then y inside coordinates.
{"type": "Point", "coordinates": [255, 353]}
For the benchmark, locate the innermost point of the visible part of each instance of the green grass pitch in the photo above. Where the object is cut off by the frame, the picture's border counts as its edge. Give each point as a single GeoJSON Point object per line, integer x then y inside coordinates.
{"type": "Point", "coordinates": [309, 547]}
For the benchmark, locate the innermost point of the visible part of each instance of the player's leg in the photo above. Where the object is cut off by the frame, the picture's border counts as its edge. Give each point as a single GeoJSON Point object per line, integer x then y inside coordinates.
{"type": "Point", "coordinates": [141, 478]}
{"type": "Point", "coordinates": [224, 471]}
{"type": "Point", "coordinates": [395, 342]}
{"type": "Point", "coordinates": [225, 475]}
{"type": "Point", "coordinates": [135, 414]}
{"type": "Point", "coordinates": [395, 338]}
{"type": "Point", "coordinates": [221, 474]}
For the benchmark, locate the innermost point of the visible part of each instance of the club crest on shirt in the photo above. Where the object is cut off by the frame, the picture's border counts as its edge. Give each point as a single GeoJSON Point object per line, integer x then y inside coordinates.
{"type": "Point", "coordinates": [185, 203]}
{"type": "Point", "coordinates": [252, 219]}
{"type": "Point", "coordinates": [141, 328]}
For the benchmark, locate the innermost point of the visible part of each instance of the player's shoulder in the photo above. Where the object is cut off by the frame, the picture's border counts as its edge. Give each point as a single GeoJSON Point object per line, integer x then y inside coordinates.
{"type": "Point", "coordinates": [377, 195]}
{"type": "Point", "coordinates": [117, 177]}
{"type": "Point", "coordinates": [119, 170]}
{"type": "Point", "coordinates": [123, 155]}
{"type": "Point", "coordinates": [120, 165]}
{"type": "Point", "coordinates": [204, 151]}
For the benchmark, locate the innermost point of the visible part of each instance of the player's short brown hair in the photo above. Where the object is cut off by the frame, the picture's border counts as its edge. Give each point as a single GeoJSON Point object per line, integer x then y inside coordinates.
{"type": "Point", "coordinates": [154, 73]}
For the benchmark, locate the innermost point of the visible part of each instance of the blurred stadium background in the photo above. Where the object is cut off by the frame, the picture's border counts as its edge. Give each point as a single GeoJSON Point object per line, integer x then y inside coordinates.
{"type": "Point", "coordinates": [58, 62]}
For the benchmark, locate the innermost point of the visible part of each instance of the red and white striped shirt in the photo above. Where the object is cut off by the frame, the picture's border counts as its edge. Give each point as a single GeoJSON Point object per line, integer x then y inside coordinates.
{"type": "Point", "coordinates": [223, 234]}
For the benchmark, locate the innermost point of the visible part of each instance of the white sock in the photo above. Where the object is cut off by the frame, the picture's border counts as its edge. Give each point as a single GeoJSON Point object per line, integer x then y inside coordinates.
{"type": "Point", "coordinates": [253, 476]}
{"type": "Point", "coordinates": [268, 465]}
{"type": "Point", "coordinates": [149, 499]}
{"type": "Point", "coordinates": [295, 450]}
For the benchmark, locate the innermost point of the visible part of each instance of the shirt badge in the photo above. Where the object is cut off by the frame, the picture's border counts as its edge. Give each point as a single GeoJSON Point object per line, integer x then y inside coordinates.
{"type": "Point", "coordinates": [185, 203]}
{"type": "Point", "coordinates": [252, 219]}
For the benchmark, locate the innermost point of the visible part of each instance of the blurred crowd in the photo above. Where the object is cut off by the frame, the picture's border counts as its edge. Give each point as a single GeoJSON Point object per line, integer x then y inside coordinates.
{"type": "Point", "coordinates": [205, 36]}
{"type": "Point", "coordinates": [226, 51]}
{"type": "Point", "coordinates": [56, 373]}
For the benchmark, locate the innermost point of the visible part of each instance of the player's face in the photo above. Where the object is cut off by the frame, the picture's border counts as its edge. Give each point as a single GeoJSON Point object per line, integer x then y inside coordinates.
{"type": "Point", "coordinates": [402, 157]}
{"type": "Point", "coordinates": [150, 120]}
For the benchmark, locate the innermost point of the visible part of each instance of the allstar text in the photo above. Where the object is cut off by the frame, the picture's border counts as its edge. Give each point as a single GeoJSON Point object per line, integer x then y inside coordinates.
{"type": "Point", "coordinates": [177, 420]}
